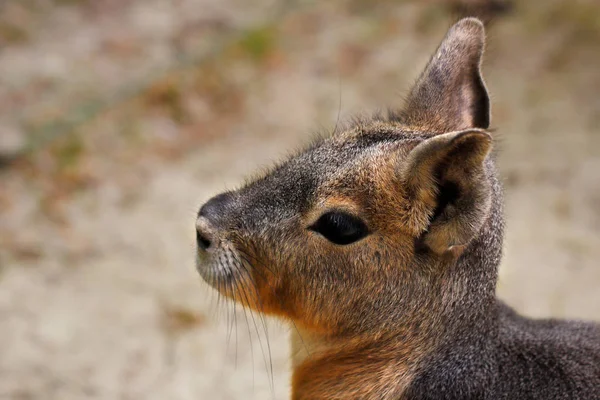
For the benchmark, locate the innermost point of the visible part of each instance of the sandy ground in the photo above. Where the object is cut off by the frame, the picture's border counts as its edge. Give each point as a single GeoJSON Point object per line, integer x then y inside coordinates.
{"type": "Point", "coordinates": [103, 302]}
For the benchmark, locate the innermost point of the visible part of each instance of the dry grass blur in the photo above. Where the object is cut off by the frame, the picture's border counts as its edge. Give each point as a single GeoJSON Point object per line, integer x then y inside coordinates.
{"type": "Point", "coordinates": [120, 117]}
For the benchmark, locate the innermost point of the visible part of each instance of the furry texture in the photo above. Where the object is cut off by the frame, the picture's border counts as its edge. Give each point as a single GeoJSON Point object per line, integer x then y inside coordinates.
{"type": "Point", "coordinates": [409, 311]}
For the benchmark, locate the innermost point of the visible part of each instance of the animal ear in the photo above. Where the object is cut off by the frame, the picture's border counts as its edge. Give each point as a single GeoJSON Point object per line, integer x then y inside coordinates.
{"type": "Point", "coordinates": [447, 188]}
{"type": "Point", "coordinates": [450, 94]}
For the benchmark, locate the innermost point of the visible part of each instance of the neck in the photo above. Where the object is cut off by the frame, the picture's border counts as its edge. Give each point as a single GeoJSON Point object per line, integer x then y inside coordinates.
{"type": "Point", "coordinates": [394, 367]}
{"type": "Point", "coordinates": [351, 367]}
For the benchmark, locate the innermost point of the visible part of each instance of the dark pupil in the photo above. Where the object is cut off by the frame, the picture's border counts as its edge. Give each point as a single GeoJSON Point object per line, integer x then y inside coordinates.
{"type": "Point", "coordinates": [340, 228]}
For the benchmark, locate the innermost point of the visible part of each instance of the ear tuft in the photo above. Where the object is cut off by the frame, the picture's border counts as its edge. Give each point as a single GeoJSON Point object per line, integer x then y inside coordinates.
{"type": "Point", "coordinates": [450, 94]}
{"type": "Point", "coordinates": [471, 27]}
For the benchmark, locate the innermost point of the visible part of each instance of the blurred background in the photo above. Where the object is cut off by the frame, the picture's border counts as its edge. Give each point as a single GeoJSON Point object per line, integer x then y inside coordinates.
{"type": "Point", "coordinates": [118, 118]}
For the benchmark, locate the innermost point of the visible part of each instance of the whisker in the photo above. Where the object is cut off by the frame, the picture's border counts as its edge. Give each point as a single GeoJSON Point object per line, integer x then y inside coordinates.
{"type": "Point", "coordinates": [256, 261]}
{"type": "Point", "coordinates": [245, 257]}
{"type": "Point", "coordinates": [243, 292]}
{"type": "Point", "coordinates": [228, 308]}
{"type": "Point", "coordinates": [233, 286]}
{"type": "Point", "coordinates": [271, 382]}
{"type": "Point", "coordinates": [222, 302]}
{"type": "Point", "coordinates": [268, 348]}
{"type": "Point", "coordinates": [238, 285]}
{"type": "Point", "coordinates": [264, 325]}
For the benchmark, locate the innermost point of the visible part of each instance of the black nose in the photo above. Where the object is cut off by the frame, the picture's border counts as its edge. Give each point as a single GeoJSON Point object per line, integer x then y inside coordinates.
{"type": "Point", "coordinates": [210, 218]}
{"type": "Point", "coordinates": [216, 207]}
{"type": "Point", "coordinates": [203, 238]}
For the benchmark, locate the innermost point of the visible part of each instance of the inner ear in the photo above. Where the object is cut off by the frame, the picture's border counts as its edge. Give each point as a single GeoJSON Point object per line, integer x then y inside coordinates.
{"type": "Point", "coordinates": [447, 194]}
{"type": "Point", "coordinates": [447, 188]}
{"type": "Point", "coordinates": [450, 94]}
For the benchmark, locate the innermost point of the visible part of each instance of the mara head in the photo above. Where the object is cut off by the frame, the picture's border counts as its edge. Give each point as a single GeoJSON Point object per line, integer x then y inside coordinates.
{"type": "Point", "coordinates": [377, 223]}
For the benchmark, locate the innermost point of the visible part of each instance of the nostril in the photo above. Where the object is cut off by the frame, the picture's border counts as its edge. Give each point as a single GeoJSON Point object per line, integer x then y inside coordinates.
{"type": "Point", "coordinates": [210, 220]}
{"type": "Point", "coordinates": [202, 240]}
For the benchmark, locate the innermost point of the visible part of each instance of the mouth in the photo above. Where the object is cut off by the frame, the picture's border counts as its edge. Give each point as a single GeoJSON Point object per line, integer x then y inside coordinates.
{"type": "Point", "coordinates": [212, 271]}
{"type": "Point", "coordinates": [221, 268]}
{"type": "Point", "coordinates": [230, 272]}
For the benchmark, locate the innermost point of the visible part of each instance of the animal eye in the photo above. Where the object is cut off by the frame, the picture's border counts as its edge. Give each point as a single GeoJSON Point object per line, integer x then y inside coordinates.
{"type": "Point", "coordinates": [340, 228]}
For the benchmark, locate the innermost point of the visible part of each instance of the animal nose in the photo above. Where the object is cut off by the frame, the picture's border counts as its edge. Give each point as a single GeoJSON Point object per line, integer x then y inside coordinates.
{"type": "Point", "coordinates": [204, 234]}
{"type": "Point", "coordinates": [209, 216]}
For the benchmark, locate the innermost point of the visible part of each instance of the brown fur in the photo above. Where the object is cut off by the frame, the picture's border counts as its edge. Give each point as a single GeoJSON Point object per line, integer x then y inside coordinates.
{"type": "Point", "coordinates": [393, 186]}
{"type": "Point", "coordinates": [410, 304]}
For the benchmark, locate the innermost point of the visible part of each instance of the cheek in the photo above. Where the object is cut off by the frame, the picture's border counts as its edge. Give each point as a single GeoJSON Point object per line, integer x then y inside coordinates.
{"type": "Point", "coordinates": [311, 281]}
{"type": "Point", "coordinates": [246, 292]}
{"type": "Point", "coordinates": [290, 281]}
{"type": "Point", "coordinates": [272, 298]}
{"type": "Point", "coordinates": [391, 249]}
{"type": "Point", "coordinates": [266, 286]}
